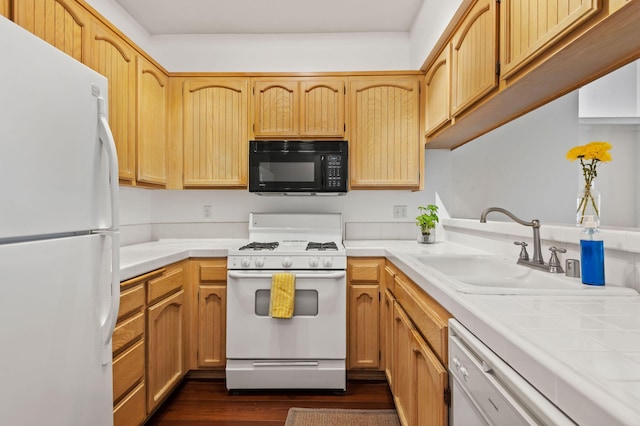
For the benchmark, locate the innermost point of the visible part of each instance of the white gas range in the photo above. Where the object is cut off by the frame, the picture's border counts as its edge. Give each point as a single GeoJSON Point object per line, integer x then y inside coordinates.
{"type": "Point", "coordinates": [307, 351]}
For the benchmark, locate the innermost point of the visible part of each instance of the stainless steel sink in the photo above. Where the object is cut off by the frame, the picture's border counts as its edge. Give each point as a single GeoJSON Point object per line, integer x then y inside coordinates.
{"type": "Point", "coordinates": [482, 274]}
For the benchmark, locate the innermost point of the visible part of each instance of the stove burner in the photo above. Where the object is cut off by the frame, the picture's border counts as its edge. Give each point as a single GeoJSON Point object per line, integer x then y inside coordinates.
{"type": "Point", "coordinates": [260, 246]}
{"type": "Point", "coordinates": [322, 246]}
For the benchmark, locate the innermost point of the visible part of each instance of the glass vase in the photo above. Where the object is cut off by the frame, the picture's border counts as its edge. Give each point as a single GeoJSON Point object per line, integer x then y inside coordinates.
{"type": "Point", "coordinates": [588, 204]}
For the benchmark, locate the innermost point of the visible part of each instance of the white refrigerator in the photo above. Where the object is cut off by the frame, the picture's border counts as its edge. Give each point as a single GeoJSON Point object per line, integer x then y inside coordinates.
{"type": "Point", "coordinates": [59, 241]}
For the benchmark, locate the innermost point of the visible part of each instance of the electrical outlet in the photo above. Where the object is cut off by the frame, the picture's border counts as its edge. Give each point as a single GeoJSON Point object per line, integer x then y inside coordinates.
{"type": "Point", "coordinates": [399, 212]}
{"type": "Point", "coordinates": [207, 212]}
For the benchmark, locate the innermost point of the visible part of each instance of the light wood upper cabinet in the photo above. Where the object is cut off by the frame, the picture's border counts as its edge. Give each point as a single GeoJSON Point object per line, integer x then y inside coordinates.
{"type": "Point", "coordinates": [5, 8]}
{"type": "Point", "coordinates": [215, 117]}
{"type": "Point", "coordinates": [528, 27]}
{"type": "Point", "coordinates": [276, 108]}
{"type": "Point", "coordinates": [474, 56]}
{"type": "Point", "coordinates": [62, 23]}
{"type": "Point", "coordinates": [437, 85]}
{"type": "Point", "coordinates": [153, 98]}
{"type": "Point", "coordinates": [384, 146]}
{"type": "Point", "coordinates": [112, 57]}
{"type": "Point", "coordinates": [322, 107]}
{"type": "Point", "coordinates": [299, 107]}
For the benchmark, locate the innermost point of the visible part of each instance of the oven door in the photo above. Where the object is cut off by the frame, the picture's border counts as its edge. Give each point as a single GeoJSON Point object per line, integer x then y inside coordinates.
{"type": "Point", "coordinates": [317, 329]}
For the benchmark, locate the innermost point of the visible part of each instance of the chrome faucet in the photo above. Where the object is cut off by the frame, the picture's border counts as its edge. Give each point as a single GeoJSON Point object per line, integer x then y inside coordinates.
{"type": "Point", "coordinates": [537, 262]}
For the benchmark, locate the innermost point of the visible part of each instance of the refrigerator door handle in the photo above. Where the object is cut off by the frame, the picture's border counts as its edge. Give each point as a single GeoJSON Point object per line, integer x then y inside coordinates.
{"type": "Point", "coordinates": [106, 137]}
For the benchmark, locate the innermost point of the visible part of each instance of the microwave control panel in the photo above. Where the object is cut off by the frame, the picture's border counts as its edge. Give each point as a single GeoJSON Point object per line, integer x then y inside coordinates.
{"type": "Point", "coordinates": [336, 179]}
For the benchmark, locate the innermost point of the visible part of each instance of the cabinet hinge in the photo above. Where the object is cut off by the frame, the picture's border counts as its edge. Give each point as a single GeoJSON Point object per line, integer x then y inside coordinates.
{"type": "Point", "coordinates": [345, 127]}
{"type": "Point", "coordinates": [498, 68]}
{"type": "Point", "coordinates": [253, 91]}
{"type": "Point", "coordinates": [345, 89]}
{"type": "Point", "coordinates": [379, 356]}
{"type": "Point", "coordinates": [447, 396]}
{"type": "Point", "coordinates": [379, 296]}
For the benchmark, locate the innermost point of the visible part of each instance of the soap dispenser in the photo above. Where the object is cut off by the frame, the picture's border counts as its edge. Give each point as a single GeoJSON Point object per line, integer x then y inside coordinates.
{"type": "Point", "coordinates": [591, 253]}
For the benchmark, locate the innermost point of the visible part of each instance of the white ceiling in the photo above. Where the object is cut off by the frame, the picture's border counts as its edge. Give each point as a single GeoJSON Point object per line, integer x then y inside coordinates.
{"type": "Point", "coordinates": [272, 16]}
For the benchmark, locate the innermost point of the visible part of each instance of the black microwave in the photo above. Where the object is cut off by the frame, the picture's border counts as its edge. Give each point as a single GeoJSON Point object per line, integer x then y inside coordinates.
{"type": "Point", "coordinates": [298, 167]}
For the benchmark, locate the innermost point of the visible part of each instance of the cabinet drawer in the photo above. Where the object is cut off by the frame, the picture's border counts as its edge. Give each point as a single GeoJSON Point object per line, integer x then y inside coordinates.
{"type": "Point", "coordinates": [131, 301]}
{"type": "Point", "coordinates": [168, 283]}
{"type": "Point", "coordinates": [213, 271]}
{"type": "Point", "coordinates": [364, 270]}
{"type": "Point", "coordinates": [128, 370]}
{"type": "Point", "coordinates": [429, 318]}
{"type": "Point", "coordinates": [131, 411]}
{"type": "Point", "coordinates": [127, 333]}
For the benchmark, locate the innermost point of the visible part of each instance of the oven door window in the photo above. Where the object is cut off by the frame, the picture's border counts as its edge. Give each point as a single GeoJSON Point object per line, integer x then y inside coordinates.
{"type": "Point", "coordinates": [305, 303]}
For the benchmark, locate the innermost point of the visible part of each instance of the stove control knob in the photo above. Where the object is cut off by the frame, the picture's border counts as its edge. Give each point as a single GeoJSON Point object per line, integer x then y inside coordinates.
{"type": "Point", "coordinates": [327, 262]}
{"type": "Point", "coordinates": [287, 262]}
{"type": "Point", "coordinates": [313, 262]}
{"type": "Point", "coordinates": [260, 262]}
{"type": "Point", "coordinates": [245, 262]}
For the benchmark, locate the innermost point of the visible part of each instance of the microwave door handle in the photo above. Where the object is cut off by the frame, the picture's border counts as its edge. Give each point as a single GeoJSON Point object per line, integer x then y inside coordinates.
{"type": "Point", "coordinates": [330, 275]}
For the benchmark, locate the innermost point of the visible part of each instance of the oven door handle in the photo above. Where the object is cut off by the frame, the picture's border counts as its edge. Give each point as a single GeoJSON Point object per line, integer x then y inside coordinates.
{"type": "Point", "coordinates": [331, 275]}
{"type": "Point", "coordinates": [286, 363]}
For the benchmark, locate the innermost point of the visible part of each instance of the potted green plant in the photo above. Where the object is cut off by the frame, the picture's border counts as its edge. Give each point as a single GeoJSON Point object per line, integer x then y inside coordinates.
{"type": "Point", "coordinates": [427, 220]}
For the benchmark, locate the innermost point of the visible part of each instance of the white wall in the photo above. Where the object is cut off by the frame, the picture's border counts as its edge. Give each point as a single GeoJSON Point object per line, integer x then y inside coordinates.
{"type": "Point", "coordinates": [265, 52]}
{"type": "Point", "coordinates": [521, 166]}
{"type": "Point", "coordinates": [433, 18]}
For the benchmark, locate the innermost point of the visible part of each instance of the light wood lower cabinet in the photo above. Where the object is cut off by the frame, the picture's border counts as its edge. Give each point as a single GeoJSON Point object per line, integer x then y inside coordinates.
{"type": "Point", "coordinates": [129, 354]}
{"type": "Point", "coordinates": [208, 305]}
{"type": "Point", "coordinates": [148, 343]}
{"type": "Point", "coordinates": [364, 276]}
{"type": "Point", "coordinates": [416, 351]}
{"type": "Point", "coordinates": [165, 335]}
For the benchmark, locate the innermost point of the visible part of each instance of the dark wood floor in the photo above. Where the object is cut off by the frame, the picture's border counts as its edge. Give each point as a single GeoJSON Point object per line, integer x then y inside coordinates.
{"type": "Point", "coordinates": [207, 402]}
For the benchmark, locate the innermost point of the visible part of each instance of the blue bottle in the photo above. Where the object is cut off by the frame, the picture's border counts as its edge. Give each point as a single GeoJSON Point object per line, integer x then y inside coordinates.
{"type": "Point", "coordinates": [591, 253]}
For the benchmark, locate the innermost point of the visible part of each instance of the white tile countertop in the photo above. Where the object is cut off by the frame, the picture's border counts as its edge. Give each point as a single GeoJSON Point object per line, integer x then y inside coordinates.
{"type": "Point", "coordinates": [582, 351]}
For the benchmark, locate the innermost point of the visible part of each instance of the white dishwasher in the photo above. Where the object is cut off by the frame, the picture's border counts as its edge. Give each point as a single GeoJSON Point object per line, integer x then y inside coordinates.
{"type": "Point", "coordinates": [486, 391]}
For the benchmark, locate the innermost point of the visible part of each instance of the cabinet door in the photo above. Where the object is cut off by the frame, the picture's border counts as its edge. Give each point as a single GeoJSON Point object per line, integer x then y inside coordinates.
{"type": "Point", "coordinates": [386, 322]}
{"type": "Point", "coordinates": [115, 59]}
{"type": "Point", "coordinates": [215, 132]}
{"type": "Point", "coordinates": [402, 358]}
{"type": "Point", "coordinates": [153, 98]}
{"type": "Point", "coordinates": [429, 384]}
{"type": "Point", "coordinates": [276, 108]}
{"type": "Point", "coordinates": [322, 108]}
{"type": "Point", "coordinates": [364, 344]}
{"type": "Point", "coordinates": [165, 348]}
{"type": "Point", "coordinates": [528, 27]}
{"type": "Point", "coordinates": [5, 8]}
{"type": "Point", "coordinates": [385, 149]}
{"type": "Point", "coordinates": [438, 92]}
{"type": "Point", "coordinates": [61, 23]}
{"type": "Point", "coordinates": [474, 56]}
{"type": "Point", "coordinates": [212, 326]}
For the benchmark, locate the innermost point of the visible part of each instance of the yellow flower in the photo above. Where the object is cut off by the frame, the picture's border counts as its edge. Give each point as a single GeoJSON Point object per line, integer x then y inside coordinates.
{"type": "Point", "coordinates": [589, 156]}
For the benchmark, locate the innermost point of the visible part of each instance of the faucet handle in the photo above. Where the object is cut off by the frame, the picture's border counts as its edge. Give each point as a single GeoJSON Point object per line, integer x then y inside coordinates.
{"type": "Point", "coordinates": [554, 262]}
{"type": "Point", "coordinates": [523, 252]}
